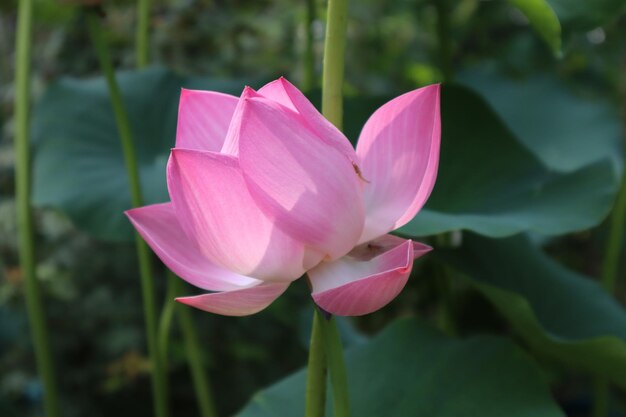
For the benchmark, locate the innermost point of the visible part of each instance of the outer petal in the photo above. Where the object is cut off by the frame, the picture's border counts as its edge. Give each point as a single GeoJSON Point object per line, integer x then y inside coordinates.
{"type": "Point", "coordinates": [203, 119]}
{"type": "Point", "coordinates": [159, 227]}
{"type": "Point", "coordinates": [285, 93]}
{"type": "Point", "coordinates": [310, 189]}
{"type": "Point", "coordinates": [214, 207]}
{"type": "Point", "coordinates": [353, 287]}
{"type": "Point", "coordinates": [399, 152]}
{"type": "Point", "coordinates": [242, 302]}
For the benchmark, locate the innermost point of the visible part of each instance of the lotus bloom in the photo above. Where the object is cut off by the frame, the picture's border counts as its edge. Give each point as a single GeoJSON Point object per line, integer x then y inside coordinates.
{"type": "Point", "coordinates": [264, 190]}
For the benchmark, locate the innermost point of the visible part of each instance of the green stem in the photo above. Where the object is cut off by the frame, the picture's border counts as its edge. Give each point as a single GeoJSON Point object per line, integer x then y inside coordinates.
{"type": "Point", "coordinates": [332, 109]}
{"type": "Point", "coordinates": [445, 316]}
{"type": "Point", "coordinates": [202, 386]}
{"type": "Point", "coordinates": [334, 58]}
{"type": "Point", "coordinates": [336, 366]}
{"type": "Point", "coordinates": [445, 40]}
{"type": "Point", "coordinates": [614, 242]}
{"type": "Point", "coordinates": [316, 371]}
{"type": "Point", "coordinates": [308, 79]}
{"type": "Point", "coordinates": [39, 333]}
{"type": "Point", "coordinates": [143, 254]}
{"type": "Point", "coordinates": [190, 339]}
{"type": "Point", "coordinates": [167, 318]}
{"type": "Point", "coordinates": [610, 267]}
{"type": "Point", "coordinates": [141, 36]}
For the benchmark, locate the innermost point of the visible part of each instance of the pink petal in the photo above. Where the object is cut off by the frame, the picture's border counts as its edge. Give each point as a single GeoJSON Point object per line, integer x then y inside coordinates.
{"type": "Point", "coordinates": [399, 152]}
{"type": "Point", "coordinates": [203, 119]}
{"type": "Point", "coordinates": [231, 144]}
{"type": "Point", "coordinates": [242, 302]}
{"type": "Point", "coordinates": [353, 287]}
{"type": "Point", "coordinates": [309, 189]}
{"type": "Point", "coordinates": [285, 93]}
{"type": "Point", "coordinates": [420, 249]}
{"type": "Point", "coordinates": [373, 248]}
{"type": "Point", "coordinates": [214, 207]}
{"type": "Point", "coordinates": [159, 227]}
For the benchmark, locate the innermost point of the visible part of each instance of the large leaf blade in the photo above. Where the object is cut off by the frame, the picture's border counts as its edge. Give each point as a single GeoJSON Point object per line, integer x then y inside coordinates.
{"type": "Point", "coordinates": [411, 369]}
{"type": "Point", "coordinates": [559, 313]}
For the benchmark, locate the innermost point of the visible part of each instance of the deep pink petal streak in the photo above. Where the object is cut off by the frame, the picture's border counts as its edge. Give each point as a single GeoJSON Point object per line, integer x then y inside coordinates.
{"type": "Point", "coordinates": [399, 153]}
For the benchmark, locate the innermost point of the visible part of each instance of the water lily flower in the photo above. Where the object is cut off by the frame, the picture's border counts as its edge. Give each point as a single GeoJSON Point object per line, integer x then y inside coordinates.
{"type": "Point", "coordinates": [264, 190]}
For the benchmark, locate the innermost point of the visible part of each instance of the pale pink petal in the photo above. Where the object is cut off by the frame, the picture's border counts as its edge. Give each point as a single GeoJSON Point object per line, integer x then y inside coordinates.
{"type": "Point", "coordinates": [309, 189]}
{"type": "Point", "coordinates": [159, 227]}
{"type": "Point", "coordinates": [203, 119]}
{"type": "Point", "coordinates": [285, 93]}
{"type": "Point", "coordinates": [215, 208]}
{"type": "Point", "coordinates": [351, 286]}
{"type": "Point", "coordinates": [242, 302]}
{"type": "Point", "coordinates": [399, 153]}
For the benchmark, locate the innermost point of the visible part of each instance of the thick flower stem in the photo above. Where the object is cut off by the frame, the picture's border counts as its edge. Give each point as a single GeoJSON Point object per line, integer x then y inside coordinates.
{"type": "Point", "coordinates": [326, 329]}
{"type": "Point", "coordinates": [308, 73]}
{"type": "Point", "coordinates": [334, 59]}
{"type": "Point", "coordinates": [336, 366]}
{"type": "Point", "coordinates": [316, 371]}
{"type": "Point", "coordinates": [141, 36]}
{"type": "Point", "coordinates": [34, 306]}
{"type": "Point", "coordinates": [145, 269]}
{"type": "Point", "coordinates": [445, 39]}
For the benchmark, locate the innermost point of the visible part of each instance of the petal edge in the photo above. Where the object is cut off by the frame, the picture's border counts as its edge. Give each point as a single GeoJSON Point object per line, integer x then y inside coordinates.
{"type": "Point", "coordinates": [241, 302]}
{"type": "Point", "coordinates": [399, 152]}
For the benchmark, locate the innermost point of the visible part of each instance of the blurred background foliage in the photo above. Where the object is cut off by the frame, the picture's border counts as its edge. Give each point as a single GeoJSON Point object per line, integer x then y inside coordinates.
{"type": "Point", "coordinates": [533, 129]}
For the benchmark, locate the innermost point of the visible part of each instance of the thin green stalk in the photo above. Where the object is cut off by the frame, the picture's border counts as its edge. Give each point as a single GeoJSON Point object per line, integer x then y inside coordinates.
{"type": "Point", "coordinates": [336, 366]}
{"type": "Point", "coordinates": [145, 270]}
{"type": "Point", "coordinates": [610, 266]}
{"type": "Point", "coordinates": [36, 317]}
{"type": "Point", "coordinates": [334, 59]}
{"type": "Point", "coordinates": [445, 39]}
{"type": "Point", "coordinates": [614, 243]}
{"type": "Point", "coordinates": [308, 79]}
{"type": "Point", "coordinates": [315, 405]}
{"type": "Point", "coordinates": [167, 317]}
{"type": "Point", "coordinates": [445, 316]}
{"type": "Point", "coordinates": [141, 36]}
{"type": "Point", "coordinates": [201, 384]}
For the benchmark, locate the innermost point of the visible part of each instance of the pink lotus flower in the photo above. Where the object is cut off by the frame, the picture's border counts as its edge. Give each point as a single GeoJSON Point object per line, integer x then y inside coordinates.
{"type": "Point", "coordinates": [264, 190]}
